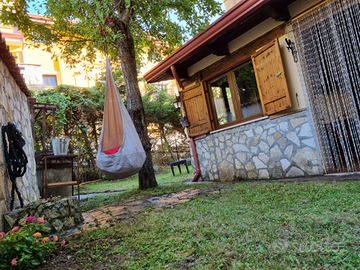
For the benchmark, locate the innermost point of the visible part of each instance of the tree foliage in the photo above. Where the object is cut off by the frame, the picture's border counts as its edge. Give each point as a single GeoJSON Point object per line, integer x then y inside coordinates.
{"type": "Point", "coordinates": [157, 26]}
{"type": "Point", "coordinates": [123, 29]}
{"type": "Point", "coordinates": [79, 117]}
{"type": "Point", "coordinates": [160, 111]}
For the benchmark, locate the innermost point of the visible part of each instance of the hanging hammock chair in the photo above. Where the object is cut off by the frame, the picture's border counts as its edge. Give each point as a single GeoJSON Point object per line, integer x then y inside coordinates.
{"type": "Point", "coordinates": [120, 152]}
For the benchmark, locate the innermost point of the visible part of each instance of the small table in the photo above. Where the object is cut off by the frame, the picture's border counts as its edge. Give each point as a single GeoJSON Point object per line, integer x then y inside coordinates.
{"type": "Point", "coordinates": [72, 183]}
{"type": "Point", "coordinates": [178, 163]}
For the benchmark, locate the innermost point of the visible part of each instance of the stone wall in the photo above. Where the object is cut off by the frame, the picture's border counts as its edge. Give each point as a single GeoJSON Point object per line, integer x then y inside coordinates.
{"type": "Point", "coordinates": [59, 215]}
{"type": "Point", "coordinates": [283, 147]}
{"type": "Point", "coordinates": [14, 108]}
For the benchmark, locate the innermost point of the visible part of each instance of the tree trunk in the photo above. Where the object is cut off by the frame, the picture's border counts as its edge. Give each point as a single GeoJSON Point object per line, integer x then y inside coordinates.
{"type": "Point", "coordinates": [126, 51]}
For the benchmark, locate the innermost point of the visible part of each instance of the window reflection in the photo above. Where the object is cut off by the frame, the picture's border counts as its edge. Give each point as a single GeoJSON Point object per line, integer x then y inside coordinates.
{"type": "Point", "coordinates": [247, 90]}
{"type": "Point", "coordinates": [223, 101]}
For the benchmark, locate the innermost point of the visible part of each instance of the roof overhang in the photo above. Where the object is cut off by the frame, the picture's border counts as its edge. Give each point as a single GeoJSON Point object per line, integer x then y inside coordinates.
{"type": "Point", "coordinates": [238, 20]}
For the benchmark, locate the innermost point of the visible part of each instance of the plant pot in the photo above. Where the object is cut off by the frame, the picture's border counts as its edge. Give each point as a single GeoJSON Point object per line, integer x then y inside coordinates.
{"type": "Point", "coordinates": [60, 146]}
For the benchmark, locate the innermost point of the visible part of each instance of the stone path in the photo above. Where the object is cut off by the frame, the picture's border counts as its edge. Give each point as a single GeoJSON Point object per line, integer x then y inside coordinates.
{"type": "Point", "coordinates": [126, 211]}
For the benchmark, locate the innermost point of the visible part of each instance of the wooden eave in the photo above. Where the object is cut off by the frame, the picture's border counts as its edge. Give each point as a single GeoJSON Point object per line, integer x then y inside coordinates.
{"type": "Point", "coordinates": [235, 22]}
{"type": "Point", "coordinates": [9, 61]}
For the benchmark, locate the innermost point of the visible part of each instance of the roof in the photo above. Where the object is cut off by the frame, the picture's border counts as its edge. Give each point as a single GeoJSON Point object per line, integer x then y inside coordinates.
{"type": "Point", "coordinates": [214, 39]}
{"type": "Point", "coordinates": [8, 59]}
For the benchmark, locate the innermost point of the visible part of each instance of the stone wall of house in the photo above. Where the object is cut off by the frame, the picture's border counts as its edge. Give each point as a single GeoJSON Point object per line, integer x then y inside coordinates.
{"type": "Point", "coordinates": [283, 147]}
{"type": "Point", "coordinates": [14, 108]}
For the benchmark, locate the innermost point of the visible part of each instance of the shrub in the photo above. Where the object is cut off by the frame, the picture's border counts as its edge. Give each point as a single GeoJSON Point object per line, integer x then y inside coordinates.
{"type": "Point", "coordinates": [25, 246]}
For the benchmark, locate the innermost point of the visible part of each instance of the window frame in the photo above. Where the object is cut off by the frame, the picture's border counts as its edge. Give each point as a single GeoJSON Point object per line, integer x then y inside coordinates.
{"type": "Point", "coordinates": [47, 76]}
{"type": "Point", "coordinates": [235, 97]}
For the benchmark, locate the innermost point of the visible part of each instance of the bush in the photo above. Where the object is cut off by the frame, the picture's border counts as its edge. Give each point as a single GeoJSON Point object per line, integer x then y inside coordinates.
{"type": "Point", "coordinates": [25, 246]}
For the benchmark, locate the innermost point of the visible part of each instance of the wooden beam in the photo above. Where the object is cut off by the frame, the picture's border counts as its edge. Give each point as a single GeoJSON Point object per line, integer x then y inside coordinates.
{"type": "Point", "coordinates": [218, 49]}
{"type": "Point", "coordinates": [278, 12]}
{"type": "Point", "coordinates": [242, 55]}
{"type": "Point", "coordinates": [177, 78]}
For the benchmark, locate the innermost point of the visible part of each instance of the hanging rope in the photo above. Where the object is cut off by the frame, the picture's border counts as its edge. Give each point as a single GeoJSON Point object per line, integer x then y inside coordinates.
{"type": "Point", "coordinates": [15, 157]}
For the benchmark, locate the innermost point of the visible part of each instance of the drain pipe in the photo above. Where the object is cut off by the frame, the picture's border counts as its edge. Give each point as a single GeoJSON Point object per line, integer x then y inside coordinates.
{"type": "Point", "coordinates": [196, 161]}
{"type": "Point", "coordinates": [192, 141]}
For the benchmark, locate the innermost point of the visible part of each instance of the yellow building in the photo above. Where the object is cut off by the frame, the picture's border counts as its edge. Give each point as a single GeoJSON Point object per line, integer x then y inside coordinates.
{"type": "Point", "coordinates": [41, 70]}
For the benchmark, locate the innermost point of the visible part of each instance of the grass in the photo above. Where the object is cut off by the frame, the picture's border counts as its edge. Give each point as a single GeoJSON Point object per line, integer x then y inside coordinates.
{"type": "Point", "coordinates": [252, 226]}
{"type": "Point", "coordinates": [130, 187]}
{"type": "Point", "coordinates": [163, 177]}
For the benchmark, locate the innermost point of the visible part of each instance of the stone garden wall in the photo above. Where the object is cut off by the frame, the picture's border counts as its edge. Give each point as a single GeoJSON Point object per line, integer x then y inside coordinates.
{"type": "Point", "coordinates": [14, 108]}
{"type": "Point", "coordinates": [59, 215]}
{"type": "Point", "coordinates": [283, 147]}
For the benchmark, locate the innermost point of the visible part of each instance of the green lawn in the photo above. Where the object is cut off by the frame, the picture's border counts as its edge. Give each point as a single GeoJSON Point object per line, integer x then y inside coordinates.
{"type": "Point", "coordinates": [252, 226]}
{"type": "Point", "coordinates": [164, 176]}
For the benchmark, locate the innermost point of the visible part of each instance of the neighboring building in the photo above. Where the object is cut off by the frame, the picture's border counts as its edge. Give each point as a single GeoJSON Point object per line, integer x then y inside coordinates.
{"type": "Point", "coordinates": [260, 106]}
{"type": "Point", "coordinates": [15, 107]}
{"type": "Point", "coordinates": [40, 70]}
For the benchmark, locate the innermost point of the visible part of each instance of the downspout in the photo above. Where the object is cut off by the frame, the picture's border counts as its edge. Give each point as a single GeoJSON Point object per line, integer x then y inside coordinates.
{"type": "Point", "coordinates": [192, 141]}
{"type": "Point", "coordinates": [196, 161]}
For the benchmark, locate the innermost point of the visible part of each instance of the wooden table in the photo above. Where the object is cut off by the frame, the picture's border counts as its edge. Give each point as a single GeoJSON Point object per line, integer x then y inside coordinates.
{"type": "Point", "coordinates": [60, 161]}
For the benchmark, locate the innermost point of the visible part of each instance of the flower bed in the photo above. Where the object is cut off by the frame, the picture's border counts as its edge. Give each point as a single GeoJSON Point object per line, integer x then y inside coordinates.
{"type": "Point", "coordinates": [25, 246]}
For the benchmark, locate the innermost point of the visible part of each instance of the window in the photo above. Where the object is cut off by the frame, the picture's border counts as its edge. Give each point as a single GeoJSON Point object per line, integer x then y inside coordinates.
{"type": "Point", "coordinates": [235, 95]}
{"type": "Point", "coordinates": [247, 92]}
{"type": "Point", "coordinates": [223, 101]}
{"type": "Point", "coordinates": [49, 80]}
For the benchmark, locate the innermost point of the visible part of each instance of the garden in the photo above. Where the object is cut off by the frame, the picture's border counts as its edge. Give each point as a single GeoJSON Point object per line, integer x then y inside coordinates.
{"type": "Point", "coordinates": [311, 225]}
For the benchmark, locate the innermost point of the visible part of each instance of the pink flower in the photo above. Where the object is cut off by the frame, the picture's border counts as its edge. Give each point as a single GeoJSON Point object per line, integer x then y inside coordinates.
{"type": "Point", "coordinates": [40, 220]}
{"type": "Point", "coordinates": [13, 262]}
{"type": "Point", "coordinates": [46, 239]}
{"type": "Point", "coordinates": [54, 198]}
{"type": "Point", "coordinates": [2, 234]}
{"type": "Point", "coordinates": [37, 234]}
{"type": "Point", "coordinates": [44, 200]}
{"type": "Point", "coordinates": [56, 238]}
{"type": "Point", "coordinates": [30, 219]}
{"type": "Point", "coordinates": [15, 229]}
{"type": "Point", "coordinates": [63, 243]}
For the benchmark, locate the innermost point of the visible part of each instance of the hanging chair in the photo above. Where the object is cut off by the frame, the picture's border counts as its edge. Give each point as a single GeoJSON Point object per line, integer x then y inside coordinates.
{"type": "Point", "coordinates": [120, 152]}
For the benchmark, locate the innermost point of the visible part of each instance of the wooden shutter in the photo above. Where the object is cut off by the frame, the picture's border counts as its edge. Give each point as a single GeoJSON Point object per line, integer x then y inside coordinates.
{"type": "Point", "coordinates": [196, 110]}
{"type": "Point", "coordinates": [271, 80]}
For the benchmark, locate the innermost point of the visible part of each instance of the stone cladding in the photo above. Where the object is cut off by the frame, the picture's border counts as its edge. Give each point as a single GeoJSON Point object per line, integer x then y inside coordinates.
{"type": "Point", "coordinates": [283, 147]}
{"type": "Point", "coordinates": [14, 108]}
{"type": "Point", "coordinates": [59, 215]}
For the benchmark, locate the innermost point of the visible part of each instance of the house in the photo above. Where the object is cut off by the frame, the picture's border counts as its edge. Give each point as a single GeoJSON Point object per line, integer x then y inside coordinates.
{"type": "Point", "coordinates": [15, 107]}
{"type": "Point", "coordinates": [40, 69]}
{"type": "Point", "coordinates": [271, 89]}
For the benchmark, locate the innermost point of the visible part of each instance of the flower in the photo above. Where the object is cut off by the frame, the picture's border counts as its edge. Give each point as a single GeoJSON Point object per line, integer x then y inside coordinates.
{"type": "Point", "coordinates": [63, 243]}
{"type": "Point", "coordinates": [36, 241]}
{"type": "Point", "coordinates": [2, 234]}
{"type": "Point", "coordinates": [37, 234]}
{"type": "Point", "coordinates": [103, 32]}
{"type": "Point", "coordinates": [30, 219]}
{"type": "Point", "coordinates": [13, 262]}
{"type": "Point", "coordinates": [40, 220]}
{"type": "Point", "coordinates": [46, 239]}
{"type": "Point", "coordinates": [54, 198]}
{"type": "Point", "coordinates": [15, 229]}
{"type": "Point", "coordinates": [56, 238]}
